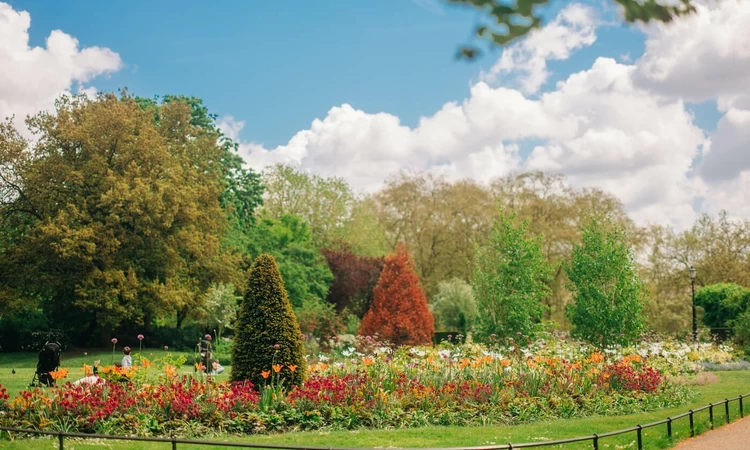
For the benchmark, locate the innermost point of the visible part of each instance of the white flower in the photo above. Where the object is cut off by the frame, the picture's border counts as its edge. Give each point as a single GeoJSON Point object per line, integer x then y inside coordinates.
{"type": "Point", "coordinates": [445, 354]}
{"type": "Point", "coordinates": [322, 357]}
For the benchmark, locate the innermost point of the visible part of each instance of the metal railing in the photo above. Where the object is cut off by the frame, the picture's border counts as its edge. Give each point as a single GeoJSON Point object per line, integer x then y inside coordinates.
{"type": "Point", "coordinates": [594, 438]}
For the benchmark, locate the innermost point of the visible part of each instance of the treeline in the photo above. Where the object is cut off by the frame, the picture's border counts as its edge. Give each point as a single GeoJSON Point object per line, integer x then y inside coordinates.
{"type": "Point", "coordinates": [126, 213]}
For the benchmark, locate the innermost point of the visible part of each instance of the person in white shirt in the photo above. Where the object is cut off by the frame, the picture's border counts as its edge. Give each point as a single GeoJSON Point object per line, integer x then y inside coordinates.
{"type": "Point", "coordinates": [91, 379]}
{"type": "Point", "coordinates": [127, 360]}
{"type": "Point", "coordinates": [216, 368]}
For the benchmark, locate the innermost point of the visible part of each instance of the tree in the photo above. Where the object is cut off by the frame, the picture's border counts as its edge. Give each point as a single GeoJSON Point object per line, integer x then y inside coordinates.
{"type": "Point", "coordinates": [514, 20]}
{"type": "Point", "coordinates": [111, 215]}
{"type": "Point", "coordinates": [267, 332]}
{"type": "Point", "coordinates": [509, 280]}
{"type": "Point", "coordinates": [608, 296]}
{"type": "Point", "coordinates": [220, 307]}
{"type": "Point", "coordinates": [399, 312]}
{"type": "Point", "coordinates": [722, 303]}
{"type": "Point", "coordinates": [454, 306]}
{"type": "Point", "coordinates": [354, 280]}
{"type": "Point", "coordinates": [302, 266]}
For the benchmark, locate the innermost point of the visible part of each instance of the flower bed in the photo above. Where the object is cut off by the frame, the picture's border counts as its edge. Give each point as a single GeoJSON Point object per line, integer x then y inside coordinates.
{"type": "Point", "coordinates": [368, 386]}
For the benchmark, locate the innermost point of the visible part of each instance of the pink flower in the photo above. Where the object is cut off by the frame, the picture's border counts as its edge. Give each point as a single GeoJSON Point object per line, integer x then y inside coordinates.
{"type": "Point", "coordinates": [140, 337]}
{"type": "Point", "coordinates": [114, 340]}
{"type": "Point", "coordinates": [276, 346]}
{"type": "Point", "coordinates": [208, 337]}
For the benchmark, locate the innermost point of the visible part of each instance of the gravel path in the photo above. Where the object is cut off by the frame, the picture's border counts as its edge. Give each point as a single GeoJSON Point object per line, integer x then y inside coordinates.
{"type": "Point", "coordinates": [735, 436]}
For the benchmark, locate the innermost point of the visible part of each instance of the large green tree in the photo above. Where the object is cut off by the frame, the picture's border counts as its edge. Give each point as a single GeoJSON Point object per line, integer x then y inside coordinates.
{"type": "Point", "coordinates": [304, 269]}
{"type": "Point", "coordinates": [112, 215]}
{"type": "Point", "coordinates": [608, 295]}
{"type": "Point", "coordinates": [509, 279]}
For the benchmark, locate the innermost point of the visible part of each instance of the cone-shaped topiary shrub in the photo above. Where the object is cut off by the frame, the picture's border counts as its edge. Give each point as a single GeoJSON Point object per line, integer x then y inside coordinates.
{"type": "Point", "coordinates": [399, 311]}
{"type": "Point", "coordinates": [267, 332]}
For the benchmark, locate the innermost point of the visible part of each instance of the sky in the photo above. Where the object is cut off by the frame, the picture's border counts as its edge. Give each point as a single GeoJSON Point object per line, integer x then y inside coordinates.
{"type": "Point", "coordinates": [657, 115]}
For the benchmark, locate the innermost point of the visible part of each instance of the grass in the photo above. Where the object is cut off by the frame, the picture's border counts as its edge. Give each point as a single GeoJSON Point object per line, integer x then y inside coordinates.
{"type": "Point", "coordinates": [24, 365]}
{"type": "Point", "coordinates": [728, 384]}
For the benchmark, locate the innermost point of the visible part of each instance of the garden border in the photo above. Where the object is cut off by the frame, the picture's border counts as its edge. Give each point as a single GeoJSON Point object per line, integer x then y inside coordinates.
{"type": "Point", "coordinates": [594, 438]}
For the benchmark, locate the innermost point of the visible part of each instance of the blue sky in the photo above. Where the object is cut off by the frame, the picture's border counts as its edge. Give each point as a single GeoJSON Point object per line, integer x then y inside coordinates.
{"type": "Point", "coordinates": [360, 89]}
{"type": "Point", "coordinates": [277, 65]}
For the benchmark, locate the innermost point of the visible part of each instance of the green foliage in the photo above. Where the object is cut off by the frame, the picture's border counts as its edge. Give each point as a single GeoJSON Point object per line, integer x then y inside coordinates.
{"type": "Point", "coordinates": [267, 332]}
{"type": "Point", "coordinates": [219, 309]}
{"type": "Point", "coordinates": [127, 204]}
{"type": "Point", "coordinates": [319, 319]}
{"type": "Point", "coordinates": [509, 279]}
{"type": "Point", "coordinates": [608, 296]}
{"type": "Point", "coordinates": [513, 20]}
{"type": "Point", "coordinates": [454, 306]}
{"type": "Point", "coordinates": [304, 269]}
{"type": "Point", "coordinates": [722, 303]}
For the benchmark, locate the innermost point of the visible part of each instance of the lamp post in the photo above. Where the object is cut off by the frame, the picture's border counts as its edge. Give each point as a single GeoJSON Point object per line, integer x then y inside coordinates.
{"type": "Point", "coordinates": [691, 272]}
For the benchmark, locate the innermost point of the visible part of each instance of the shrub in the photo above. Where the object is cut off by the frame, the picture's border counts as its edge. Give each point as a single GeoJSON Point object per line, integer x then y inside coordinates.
{"type": "Point", "coordinates": [399, 311]}
{"type": "Point", "coordinates": [607, 294]}
{"type": "Point", "coordinates": [509, 280]}
{"type": "Point", "coordinates": [454, 306]}
{"type": "Point", "coordinates": [722, 303]}
{"type": "Point", "coordinates": [319, 319]}
{"type": "Point", "coordinates": [267, 332]}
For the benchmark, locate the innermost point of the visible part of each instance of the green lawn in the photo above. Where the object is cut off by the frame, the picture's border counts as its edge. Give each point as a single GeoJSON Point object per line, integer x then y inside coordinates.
{"type": "Point", "coordinates": [729, 384]}
{"type": "Point", "coordinates": [24, 364]}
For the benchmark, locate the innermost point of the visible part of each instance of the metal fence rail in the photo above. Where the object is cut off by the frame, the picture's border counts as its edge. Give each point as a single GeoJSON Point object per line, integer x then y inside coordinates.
{"type": "Point", "coordinates": [594, 438]}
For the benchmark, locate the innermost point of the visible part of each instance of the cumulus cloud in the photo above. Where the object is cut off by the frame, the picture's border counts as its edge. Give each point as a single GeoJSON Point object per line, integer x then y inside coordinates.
{"type": "Point", "coordinates": [32, 78]}
{"type": "Point", "coordinates": [526, 61]}
{"type": "Point", "coordinates": [622, 127]}
{"type": "Point", "coordinates": [700, 57]}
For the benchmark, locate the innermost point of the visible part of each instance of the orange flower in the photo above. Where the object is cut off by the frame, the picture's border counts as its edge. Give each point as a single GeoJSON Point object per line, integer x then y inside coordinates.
{"type": "Point", "coordinates": [367, 360]}
{"type": "Point", "coordinates": [597, 357]}
{"type": "Point", "coordinates": [292, 368]}
{"type": "Point", "coordinates": [170, 370]}
{"type": "Point", "coordinates": [277, 367]}
{"type": "Point", "coordinates": [199, 366]}
{"type": "Point", "coordinates": [505, 362]}
{"type": "Point", "coordinates": [146, 363]}
{"type": "Point", "coordinates": [59, 374]}
{"type": "Point", "coordinates": [265, 374]}
{"type": "Point", "coordinates": [87, 370]}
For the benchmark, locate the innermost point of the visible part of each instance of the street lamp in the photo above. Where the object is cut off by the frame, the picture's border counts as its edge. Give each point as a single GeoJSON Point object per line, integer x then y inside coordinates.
{"type": "Point", "coordinates": [691, 272]}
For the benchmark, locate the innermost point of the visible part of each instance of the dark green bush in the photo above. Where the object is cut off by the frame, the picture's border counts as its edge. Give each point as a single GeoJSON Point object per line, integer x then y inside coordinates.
{"type": "Point", "coordinates": [723, 303]}
{"type": "Point", "coordinates": [267, 331]}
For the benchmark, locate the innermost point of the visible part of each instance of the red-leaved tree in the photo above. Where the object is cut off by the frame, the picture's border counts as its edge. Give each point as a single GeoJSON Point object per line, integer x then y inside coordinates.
{"type": "Point", "coordinates": [354, 278]}
{"type": "Point", "coordinates": [399, 311]}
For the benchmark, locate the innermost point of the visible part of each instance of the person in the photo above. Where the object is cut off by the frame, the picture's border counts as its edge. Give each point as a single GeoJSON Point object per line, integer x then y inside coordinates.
{"type": "Point", "coordinates": [127, 360]}
{"type": "Point", "coordinates": [91, 379]}
{"type": "Point", "coordinates": [216, 368]}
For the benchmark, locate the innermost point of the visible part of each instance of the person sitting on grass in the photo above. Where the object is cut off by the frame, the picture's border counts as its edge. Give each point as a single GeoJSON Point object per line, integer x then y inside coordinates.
{"type": "Point", "coordinates": [91, 379]}
{"type": "Point", "coordinates": [127, 360]}
{"type": "Point", "coordinates": [216, 368]}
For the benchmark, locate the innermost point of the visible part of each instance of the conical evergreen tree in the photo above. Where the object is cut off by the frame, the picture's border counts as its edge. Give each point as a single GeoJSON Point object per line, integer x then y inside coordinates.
{"type": "Point", "coordinates": [267, 331]}
{"type": "Point", "coordinates": [399, 311]}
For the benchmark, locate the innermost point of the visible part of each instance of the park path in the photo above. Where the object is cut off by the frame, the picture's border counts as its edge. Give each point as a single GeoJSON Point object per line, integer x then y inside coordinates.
{"type": "Point", "coordinates": [735, 436]}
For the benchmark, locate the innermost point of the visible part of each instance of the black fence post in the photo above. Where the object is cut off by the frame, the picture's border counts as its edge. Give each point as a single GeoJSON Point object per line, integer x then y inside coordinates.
{"type": "Point", "coordinates": [174, 443]}
{"type": "Point", "coordinates": [692, 424]}
{"type": "Point", "coordinates": [742, 412]}
{"type": "Point", "coordinates": [596, 441]}
{"type": "Point", "coordinates": [639, 431]}
{"type": "Point", "coordinates": [726, 408]}
{"type": "Point", "coordinates": [510, 445]}
{"type": "Point", "coordinates": [60, 438]}
{"type": "Point", "coordinates": [669, 427]}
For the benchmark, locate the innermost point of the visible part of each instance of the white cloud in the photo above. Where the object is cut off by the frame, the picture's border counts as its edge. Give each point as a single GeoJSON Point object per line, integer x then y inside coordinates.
{"type": "Point", "coordinates": [32, 78]}
{"type": "Point", "coordinates": [622, 127]}
{"type": "Point", "coordinates": [573, 28]}
{"type": "Point", "coordinates": [730, 148]}
{"type": "Point", "coordinates": [700, 57]}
